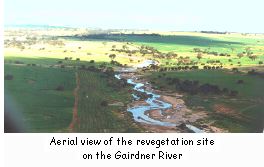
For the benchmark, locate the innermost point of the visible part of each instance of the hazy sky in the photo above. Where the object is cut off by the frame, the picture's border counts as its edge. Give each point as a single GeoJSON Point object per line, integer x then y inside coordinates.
{"type": "Point", "coordinates": [178, 15]}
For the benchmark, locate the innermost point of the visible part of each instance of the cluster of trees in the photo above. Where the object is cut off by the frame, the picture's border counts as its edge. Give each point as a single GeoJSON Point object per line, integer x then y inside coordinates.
{"type": "Point", "coordinates": [113, 62]}
{"type": "Point", "coordinates": [247, 53]}
{"type": "Point", "coordinates": [178, 68]}
{"type": "Point", "coordinates": [212, 67]}
{"type": "Point", "coordinates": [194, 87]}
{"type": "Point", "coordinates": [29, 41]}
{"type": "Point", "coordinates": [208, 52]}
{"type": "Point", "coordinates": [14, 44]}
{"type": "Point", "coordinates": [68, 58]}
{"type": "Point", "coordinates": [213, 32]}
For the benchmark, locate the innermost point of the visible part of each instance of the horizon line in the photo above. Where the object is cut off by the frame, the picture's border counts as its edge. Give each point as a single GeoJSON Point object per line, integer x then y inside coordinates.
{"type": "Point", "coordinates": [137, 29]}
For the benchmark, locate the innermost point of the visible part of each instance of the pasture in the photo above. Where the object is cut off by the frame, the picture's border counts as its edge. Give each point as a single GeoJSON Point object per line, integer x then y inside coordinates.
{"type": "Point", "coordinates": [102, 104]}
{"type": "Point", "coordinates": [32, 97]}
{"type": "Point", "coordinates": [240, 113]}
{"type": "Point", "coordinates": [40, 68]}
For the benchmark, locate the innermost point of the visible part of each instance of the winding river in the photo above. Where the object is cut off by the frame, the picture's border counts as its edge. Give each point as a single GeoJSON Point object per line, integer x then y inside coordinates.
{"type": "Point", "coordinates": [152, 103]}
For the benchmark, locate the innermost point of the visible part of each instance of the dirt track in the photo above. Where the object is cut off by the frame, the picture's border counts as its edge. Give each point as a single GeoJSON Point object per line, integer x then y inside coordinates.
{"type": "Point", "coordinates": [75, 119]}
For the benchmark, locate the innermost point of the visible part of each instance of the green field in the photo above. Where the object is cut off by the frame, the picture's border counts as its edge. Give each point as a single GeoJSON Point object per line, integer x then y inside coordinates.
{"type": "Point", "coordinates": [32, 94]}
{"type": "Point", "coordinates": [248, 103]}
{"type": "Point", "coordinates": [95, 117]}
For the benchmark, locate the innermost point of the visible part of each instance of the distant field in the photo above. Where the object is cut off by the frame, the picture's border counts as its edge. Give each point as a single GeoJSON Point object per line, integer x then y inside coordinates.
{"type": "Point", "coordinates": [184, 43]}
{"type": "Point", "coordinates": [32, 95]}
{"type": "Point", "coordinates": [84, 50]}
{"type": "Point", "coordinates": [99, 47]}
{"type": "Point", "coordinates": [249, 102]}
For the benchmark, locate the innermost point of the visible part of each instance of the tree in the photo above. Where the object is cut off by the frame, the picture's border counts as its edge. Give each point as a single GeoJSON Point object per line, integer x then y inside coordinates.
{"type": "Point", "coordinates": [253, 57]}
{"type": "Point", "coordinates": [239, 55]}
{"type": "Point", "coordinates": [199, 55]}
{"type": "Point", "coordinates": [125, 47]}
{"type": "Point", "coordinates": [112, 56]}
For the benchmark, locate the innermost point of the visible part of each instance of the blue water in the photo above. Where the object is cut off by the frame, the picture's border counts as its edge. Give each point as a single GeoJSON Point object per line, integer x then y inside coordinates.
{"type": "Point", "coordinates": [145, 63]}
{"type": "Point", "coordinates": [152, 104]}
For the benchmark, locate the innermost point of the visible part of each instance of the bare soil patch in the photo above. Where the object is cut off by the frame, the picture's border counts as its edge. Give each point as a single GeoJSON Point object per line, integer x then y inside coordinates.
{"type": "Point", "coordinates": [75, 120]}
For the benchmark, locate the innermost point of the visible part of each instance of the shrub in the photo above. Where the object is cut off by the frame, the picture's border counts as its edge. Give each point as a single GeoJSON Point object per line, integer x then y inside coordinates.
{"type": "Point", "coordinates": [104, 103]}
{"type": "Point", "coordinates": [233, 93]}
{"type": "Point", "coordinates": [9, 77]}
{"type": "Point", "coordinates": [18, 62]}
{"type": "Point", "coordinates": [235, 70]}
{"type": "Point", "coordinates": [240, 81]}
{"type": "Point", "coordinates": [60, 88]}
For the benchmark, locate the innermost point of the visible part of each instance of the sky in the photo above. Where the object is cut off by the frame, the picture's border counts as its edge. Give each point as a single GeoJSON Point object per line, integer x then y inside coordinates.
{"type": "Point", "coordinates": [166, 15]}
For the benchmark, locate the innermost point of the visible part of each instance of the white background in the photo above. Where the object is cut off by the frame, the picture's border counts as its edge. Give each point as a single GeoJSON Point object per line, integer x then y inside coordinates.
{"type": "Point", "coordinates": [229, 150]}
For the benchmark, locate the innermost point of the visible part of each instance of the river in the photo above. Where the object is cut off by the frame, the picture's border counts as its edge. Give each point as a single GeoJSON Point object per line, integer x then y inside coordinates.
{"type": "Point", "coordinates": [153, 102]}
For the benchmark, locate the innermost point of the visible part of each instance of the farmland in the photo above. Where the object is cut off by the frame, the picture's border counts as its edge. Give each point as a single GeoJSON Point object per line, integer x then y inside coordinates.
{"type": "Point", "coordinates": [33, 96]}
{"type": "Point", "coordinates": [245, 109]}
{"type": "Point", "coordinates": [44, 68]}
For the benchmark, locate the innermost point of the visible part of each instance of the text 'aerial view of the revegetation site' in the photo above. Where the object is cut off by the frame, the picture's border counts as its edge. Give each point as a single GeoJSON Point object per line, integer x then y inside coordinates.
{"type": "Point", "coordinates": [110, 66]}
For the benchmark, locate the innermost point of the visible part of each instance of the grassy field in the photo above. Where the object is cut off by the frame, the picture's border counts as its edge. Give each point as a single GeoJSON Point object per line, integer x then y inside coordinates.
{"type": "Point", "coordinates": [248, 104]}
{"type": "Point", "coordinates": [97, 117]}
{"type": "Point", "coordinates": [32, 94]}
{"type": "Point", "coordinates": [183, 44]}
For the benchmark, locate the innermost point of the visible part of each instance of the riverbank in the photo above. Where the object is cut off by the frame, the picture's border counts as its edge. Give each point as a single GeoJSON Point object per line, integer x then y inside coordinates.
{"type": "Point", "coordinates": [161, 112]}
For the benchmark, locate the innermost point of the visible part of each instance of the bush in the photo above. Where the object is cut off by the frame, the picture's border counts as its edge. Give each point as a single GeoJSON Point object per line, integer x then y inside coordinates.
{"type": "Point", "coordinates": [240, 81]}
{"type": "Point", "coordinates": [60, 88]}
{"type": "Point", "coordinates": [18, 62]}
{"type": "Point", "coordinates": [9, 77]}
{"type": "Point", "coordinates": [104, 103]}
{"type": "Point", "coordinates": [235, 70]}
{"type": "Point", "coordinates": [91, 61]}
{"type": "Point", "coordinates": [233, 93]}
